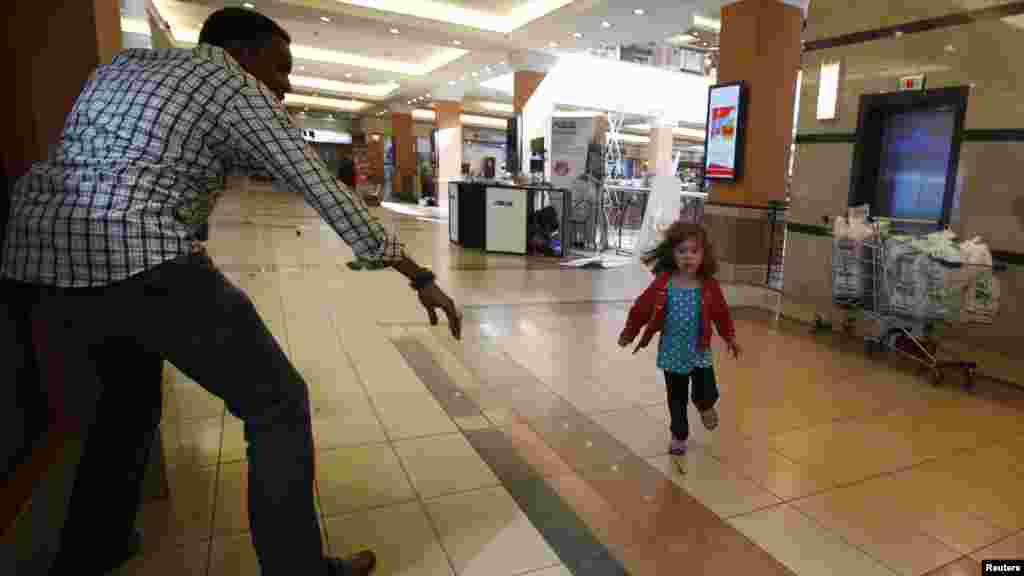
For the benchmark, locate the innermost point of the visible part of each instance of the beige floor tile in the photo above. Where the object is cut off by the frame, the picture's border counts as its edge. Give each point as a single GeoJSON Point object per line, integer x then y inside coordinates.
{"type": "Point", "coordinates": [553, 571]}
{"type": "Point", "coordinates": [724, 491]}
{"type": "Point", "coordinates": [486, 534]}
{"type": "Point", "coordinates": [1007, 549]}
{"type": "Point", "coordinates": [412, 414]}
{"type": "Point", "coordinates": [893, 539]}
{"type": "Point", "coordinates": [401, 536]}
{"type": "Point", "coordinates": [502, 416]}
{"type": "Point", "coordinates": [473, 423]}
{"type": "Point", "coordinates": [188, 560]}
{"type": "Point", "coordinates": [351, 424]}
{"type": "Point", "coordinates": [805, 547]}
{"type": "Point", "coordinates": [192, 443]}
{"type": "Point", "coordinates": [462, 467]}
{"type": "Point", "coordinates": [362, 477]}
{"type": "Point", "coordinates": [231, 515]}
{"type": "Point", "coordinates": [637, 430]}
{"type": "Point", "coordinates": [193, 402]}
{"type": "Point", "coordinates": [233, 556]}
{"type": "Point", "coordinates": [186, 516]}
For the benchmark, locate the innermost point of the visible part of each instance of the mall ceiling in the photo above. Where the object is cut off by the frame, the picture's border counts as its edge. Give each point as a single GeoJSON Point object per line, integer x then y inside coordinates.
{"type": "Point", "coordinates": [385, 51]}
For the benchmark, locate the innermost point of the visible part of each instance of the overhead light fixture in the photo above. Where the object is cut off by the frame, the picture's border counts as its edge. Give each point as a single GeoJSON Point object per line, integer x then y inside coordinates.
{"type": "Point", "coordinates": [606, 24]}
{"type": "Point", "coordinates": [476, 74]}
{"type": "Point", "coordinates": [504, 83]}
{"type": "Point", "coordinates": [249, 5]}
{"type": "Point", "coordinates": [394, 31]}
{"type": "Point", "coordinates": [366, 90]}
{"type": "Point", "coordinates": [428, 95]}
{"type": "Point", "coordinates": [348, 74]}
{"type": "Point", "coordinates": [457, 42]}
{"type": "Point", "coordinates": [639, 11]}
{"type": "Point", "coordinates": [325, 19]}
{"type": "Point", "coordinates": [301, 68]}
{"type": "Point", "coordinates": [452, 82]}
{"type": "Point", "coordinates": [577, 35]}
{"type": "Point", "coordinates": [496, 107]}
{"type": "Point", "coordinates": [707, 23]}
{"type": "Point", "coordinates": [553, 44]}
{"type": "Point", "coordinates": [487, 68]}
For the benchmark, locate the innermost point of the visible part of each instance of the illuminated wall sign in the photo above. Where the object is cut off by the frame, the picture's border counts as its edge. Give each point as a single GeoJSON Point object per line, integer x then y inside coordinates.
{"type": "Point", "coordinates": [327, 137]}
{"type": "Point", "coordinates": [828, 90]}
{"type": "Point", "coordinates": [912, 82]}
{"type": "Point", "coordinates": [724, 136]}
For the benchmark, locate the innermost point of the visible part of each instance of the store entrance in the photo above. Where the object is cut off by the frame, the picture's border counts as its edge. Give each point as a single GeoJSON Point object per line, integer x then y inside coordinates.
{"type": "Point", "coordinates": [907, 156]}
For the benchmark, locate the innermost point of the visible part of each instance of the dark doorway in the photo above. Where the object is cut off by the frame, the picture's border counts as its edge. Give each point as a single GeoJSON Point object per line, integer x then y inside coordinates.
{"type": "Point", "coordinates": [907, 155]}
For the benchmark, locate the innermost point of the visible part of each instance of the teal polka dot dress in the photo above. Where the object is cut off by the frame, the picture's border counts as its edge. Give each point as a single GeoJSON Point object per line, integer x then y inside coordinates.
{"type": "Point", "coordinates": [677, 350]}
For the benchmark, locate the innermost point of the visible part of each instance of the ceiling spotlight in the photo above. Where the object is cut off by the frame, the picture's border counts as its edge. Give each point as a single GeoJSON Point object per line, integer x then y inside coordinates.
{"type": "Point", "coordinates": [457, 42]}
{"type": "Point", "coordinates": [476, 74]}
{"type": "Point", "coordinates": [325, 19]}
{"type": "Point", "coordinates": [606, 24]}
{"type": "Point", "coordinates": [428, 95]}
{"type": "Point", "coordinates": [950, 49]}
{"type": "Point", "coordinates": [577, 35]}
{"type": "Point", "coordinates": [639, 11]}
{"type": "Point", "coordinates": [301, 68]}
{"type": "Point", "coordinates": [348, 74]}
{"type": "Point", "coordinates": [553, 44]}
{"type": "Point", "coordinates": [394, 31]}
{"type": "Point", "coordinates": [249, 5]}
{"type": "Point", "coordinates": [487, 68]}
{"type": "Point", "coordinates": [502, 63]}
{"type": "Point", "coordinates": [452, 82]}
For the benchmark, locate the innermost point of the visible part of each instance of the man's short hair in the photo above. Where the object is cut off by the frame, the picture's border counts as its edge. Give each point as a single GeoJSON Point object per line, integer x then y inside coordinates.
{"type": "Point", "coordinates": [240, 28]}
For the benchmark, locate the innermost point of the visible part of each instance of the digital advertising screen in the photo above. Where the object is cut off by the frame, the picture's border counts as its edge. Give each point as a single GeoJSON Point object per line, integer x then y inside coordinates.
{"type": "Point", "coordinates": [724, 138]}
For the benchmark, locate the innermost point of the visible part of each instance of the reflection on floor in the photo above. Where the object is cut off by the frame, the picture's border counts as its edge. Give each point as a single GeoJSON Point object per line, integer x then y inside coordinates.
{"type": "Point", "coordinates": [537, 446]}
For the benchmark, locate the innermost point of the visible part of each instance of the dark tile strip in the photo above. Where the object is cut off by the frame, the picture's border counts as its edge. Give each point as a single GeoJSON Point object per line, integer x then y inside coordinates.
{"type": "Point", "coordinates": [454, 402]}
{"type": "Point", "coordinates": [560, 526]}
{"type": "Point", "coordinates": [948, 21]}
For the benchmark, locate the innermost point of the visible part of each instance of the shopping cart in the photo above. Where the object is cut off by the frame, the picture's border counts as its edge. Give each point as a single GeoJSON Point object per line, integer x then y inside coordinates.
{"type": "Point", "coordinates": [900, 294]}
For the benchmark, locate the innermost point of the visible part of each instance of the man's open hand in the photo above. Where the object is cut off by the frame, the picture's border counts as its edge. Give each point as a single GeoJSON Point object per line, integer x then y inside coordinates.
{"type": "Point", "coordinates": [432, 298]}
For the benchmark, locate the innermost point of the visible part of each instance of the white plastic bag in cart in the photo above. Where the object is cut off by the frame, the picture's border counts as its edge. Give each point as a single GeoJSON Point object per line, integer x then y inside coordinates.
{"type": "Point", "coordinates": [981, 297]}
{"type": "Point", "coordinates": [663, 209]}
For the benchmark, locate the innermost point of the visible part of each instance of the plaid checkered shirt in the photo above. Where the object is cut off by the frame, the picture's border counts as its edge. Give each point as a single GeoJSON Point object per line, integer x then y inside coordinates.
{"type": "Point", "coordinates": [143, 156]}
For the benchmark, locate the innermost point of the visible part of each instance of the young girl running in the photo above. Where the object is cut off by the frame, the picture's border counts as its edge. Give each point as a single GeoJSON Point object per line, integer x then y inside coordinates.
{"type": "Point", "coordinates": [682, 303]}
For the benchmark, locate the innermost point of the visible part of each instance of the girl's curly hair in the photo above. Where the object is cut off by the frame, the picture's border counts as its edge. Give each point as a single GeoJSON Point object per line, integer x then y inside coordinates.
{"type": "Point", "coordinates": [661, 258]}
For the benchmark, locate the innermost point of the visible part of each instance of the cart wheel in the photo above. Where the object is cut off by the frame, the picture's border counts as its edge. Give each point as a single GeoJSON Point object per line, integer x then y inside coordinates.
{"type": "Point", "coordinates": [936, 377]}
{"type": "Point", "coordinates": [969, 383]}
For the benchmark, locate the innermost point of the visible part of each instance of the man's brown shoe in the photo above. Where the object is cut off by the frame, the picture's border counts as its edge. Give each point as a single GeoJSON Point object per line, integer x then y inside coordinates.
{"type": "Point", "coordinates": [358, 564]}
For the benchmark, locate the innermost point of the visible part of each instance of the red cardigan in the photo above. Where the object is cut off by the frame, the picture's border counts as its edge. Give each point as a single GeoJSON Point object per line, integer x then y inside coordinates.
{"type": "Point", "coordinates": [648, 313]}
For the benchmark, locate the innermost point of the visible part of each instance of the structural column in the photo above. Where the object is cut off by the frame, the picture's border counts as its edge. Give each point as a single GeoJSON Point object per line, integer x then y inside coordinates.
{"type": "Point", "coordinates": [761, 46]}
{"type": "Point", "coordinates": [659, 153]}
{"type": "Point", "coordinates": [760, 43]}
{"type": "Point", "coordinates": [404, 143]}
{"type": "Point", "coordinates": [449, 147]}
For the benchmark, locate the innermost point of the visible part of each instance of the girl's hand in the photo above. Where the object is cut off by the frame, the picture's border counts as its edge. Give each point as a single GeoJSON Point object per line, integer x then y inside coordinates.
{"type": "Point", "coordinates": [735, 350]}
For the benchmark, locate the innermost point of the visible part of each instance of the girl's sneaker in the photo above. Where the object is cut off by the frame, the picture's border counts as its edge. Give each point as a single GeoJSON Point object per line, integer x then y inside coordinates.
{"type": "Point", "coordinates": [710, 418]}
{"type": "Point", "coordinates": [677, 447]}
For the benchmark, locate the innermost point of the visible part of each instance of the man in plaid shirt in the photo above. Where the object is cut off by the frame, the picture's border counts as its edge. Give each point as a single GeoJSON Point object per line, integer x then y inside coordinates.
{"type": "Point", "coordinates": [102, 240]}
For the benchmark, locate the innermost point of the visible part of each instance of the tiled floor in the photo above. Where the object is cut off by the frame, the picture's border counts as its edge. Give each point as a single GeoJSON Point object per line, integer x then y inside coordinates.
{"type": "Point", "coordinates": [536, 446]}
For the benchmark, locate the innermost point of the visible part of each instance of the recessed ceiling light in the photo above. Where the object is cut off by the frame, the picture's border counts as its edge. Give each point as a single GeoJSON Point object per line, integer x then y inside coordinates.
{"type": "Point", "coordinates": [452, 82]}
{"type": "Point", "coordinates": [639, 11]}
{"type": "Point", "coordinates": [428, 95]}
{"type": "Point", "coordinates": [606, 24]}
{"type": "Point", "coordinates": [325, 19]}
{"type": "Point", "coordinates": [457, 42]}
{"type": "Point", "coordinates": [553, 44]}
{"type": "Point", "coordinates": [487, 68]}
{"type": "Point", "coordinates": [394, 31]}
{"type": "Point", "coordinates": [249, 5]}
{"type": "Point", "coordinates": [502, 63]}
{"type": "Point", "coordinates": [577, 35]}
{"type": "Point", "coordinates": [301, 68]}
